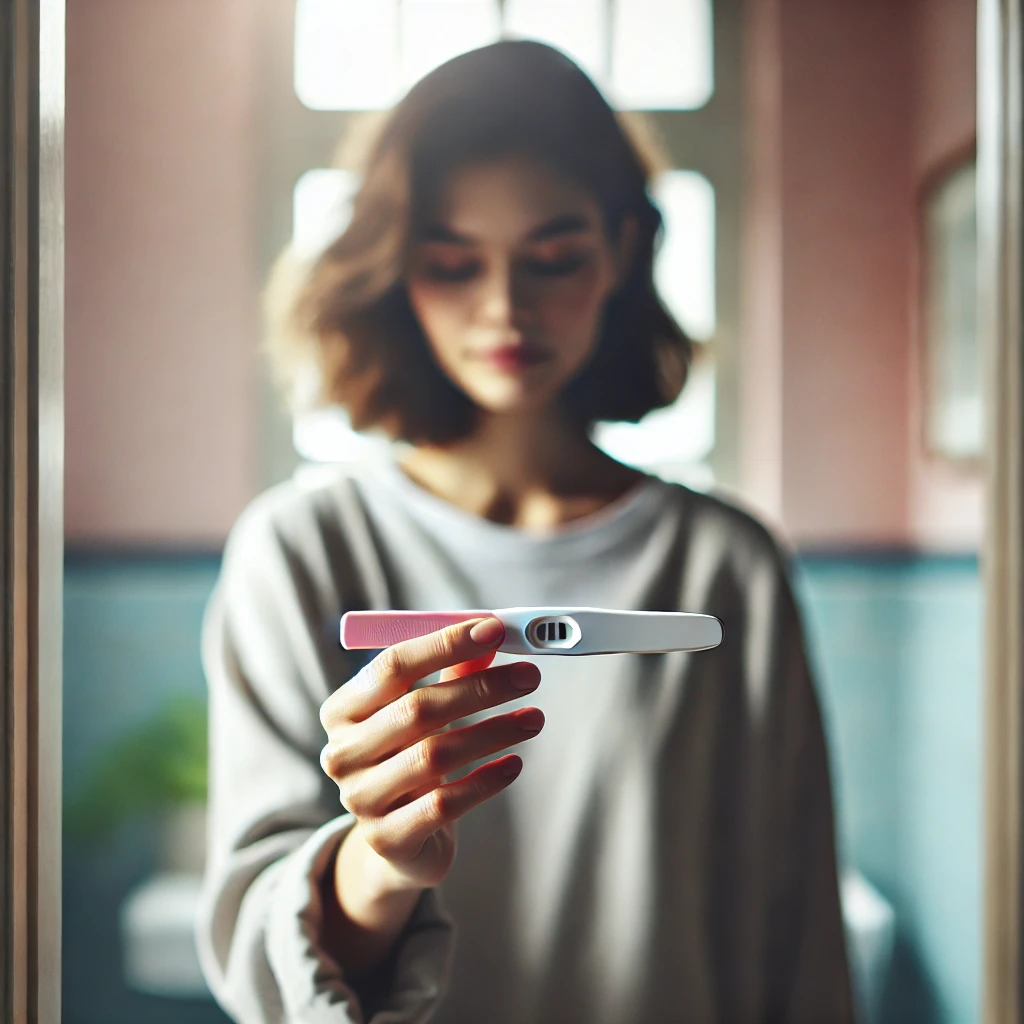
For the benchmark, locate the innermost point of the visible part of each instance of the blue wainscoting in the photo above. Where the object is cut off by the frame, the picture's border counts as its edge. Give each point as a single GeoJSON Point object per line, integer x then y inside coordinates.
{"type": "Point", "coordinates": [131, 643]}
{"type": "Point", "coordinates": [897, 641]}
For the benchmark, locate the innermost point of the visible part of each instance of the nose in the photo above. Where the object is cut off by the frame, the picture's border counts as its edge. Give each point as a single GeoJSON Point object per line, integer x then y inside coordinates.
{"type": "Point", "coordinates": [502, 301]}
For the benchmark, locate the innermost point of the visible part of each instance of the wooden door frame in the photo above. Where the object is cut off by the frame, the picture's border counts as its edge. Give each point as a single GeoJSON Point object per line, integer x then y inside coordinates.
{"type": "Point", "coordinates": [31, 509]}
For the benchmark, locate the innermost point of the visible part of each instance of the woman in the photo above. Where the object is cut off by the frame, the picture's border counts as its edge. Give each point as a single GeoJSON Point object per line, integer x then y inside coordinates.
{"type": "Point", "coordinates": [666, 852]}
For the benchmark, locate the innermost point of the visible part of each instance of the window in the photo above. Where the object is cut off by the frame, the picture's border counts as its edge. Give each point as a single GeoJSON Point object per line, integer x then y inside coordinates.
{"type": "Point", "coordinates": [954, 402]}
{"type": "Point", "coordinates": [653, 56]}
{"type": "Point", "coordinates": [363, 54]}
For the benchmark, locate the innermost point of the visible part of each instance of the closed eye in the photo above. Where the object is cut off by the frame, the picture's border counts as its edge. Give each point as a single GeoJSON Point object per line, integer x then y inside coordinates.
{"type": "Point", "coordinates": [556, 268]}
{"type": "Point", "coordinates": [446, 272]}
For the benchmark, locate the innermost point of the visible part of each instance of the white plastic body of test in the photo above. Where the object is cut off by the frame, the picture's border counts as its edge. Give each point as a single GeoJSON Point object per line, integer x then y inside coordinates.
{"type": "Point", "coordinates": [547, 630]}
{"type": "Point", "coordinates": [608, 631]}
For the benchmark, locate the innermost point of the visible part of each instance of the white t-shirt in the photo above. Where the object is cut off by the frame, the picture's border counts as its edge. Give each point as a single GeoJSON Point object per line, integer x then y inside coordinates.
{"type": "Point", "coordinates": [667, 853]}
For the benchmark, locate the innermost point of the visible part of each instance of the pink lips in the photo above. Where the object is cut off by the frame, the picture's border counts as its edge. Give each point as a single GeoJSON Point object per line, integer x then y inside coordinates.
{"type": "Point", "coordinates": [513, 357]}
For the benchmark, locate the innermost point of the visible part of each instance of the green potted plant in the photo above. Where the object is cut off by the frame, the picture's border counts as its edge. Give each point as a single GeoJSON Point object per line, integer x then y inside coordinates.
{"type": "Point", "coordinates": [156, 768]}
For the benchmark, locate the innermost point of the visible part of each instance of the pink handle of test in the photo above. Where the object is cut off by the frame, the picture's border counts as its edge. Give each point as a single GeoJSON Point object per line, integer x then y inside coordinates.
{"type": "Point", "coordinates": [372, 630]}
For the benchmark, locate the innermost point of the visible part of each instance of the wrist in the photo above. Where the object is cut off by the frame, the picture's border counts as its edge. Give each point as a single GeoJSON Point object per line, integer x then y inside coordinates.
{"type": "Point", "coordinates": [371, 906]}
{"type": "Point", "coordinates": [370, 890]}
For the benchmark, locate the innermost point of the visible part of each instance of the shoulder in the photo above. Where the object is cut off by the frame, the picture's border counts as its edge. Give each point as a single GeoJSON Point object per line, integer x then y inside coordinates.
{"type": "Point", "coordinates": [720, 525]}
{"type": "Point", "coordinates": [303, 521]}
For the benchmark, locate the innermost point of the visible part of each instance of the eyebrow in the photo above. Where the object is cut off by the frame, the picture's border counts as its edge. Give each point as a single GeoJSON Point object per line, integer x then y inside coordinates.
{"type": "Point", "coordinates": [557, 227]}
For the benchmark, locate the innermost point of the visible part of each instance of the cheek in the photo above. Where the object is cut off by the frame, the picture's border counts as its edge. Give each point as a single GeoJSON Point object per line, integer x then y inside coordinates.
{"type": "Point", "coordinates": [572, 308]}
{"type": "Point", "coordinates": [440, 316]}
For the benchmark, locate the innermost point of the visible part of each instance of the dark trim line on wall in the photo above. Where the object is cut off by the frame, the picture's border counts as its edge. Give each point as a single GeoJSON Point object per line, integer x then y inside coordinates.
{"type": "Point", "coordinates": [88, 556]}
{"type": "Point", "coordinates": [887, 555]}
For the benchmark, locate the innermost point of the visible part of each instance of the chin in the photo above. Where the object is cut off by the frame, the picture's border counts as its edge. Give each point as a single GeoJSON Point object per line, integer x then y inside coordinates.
{"type": "Point", "coordinates": [512, 397]}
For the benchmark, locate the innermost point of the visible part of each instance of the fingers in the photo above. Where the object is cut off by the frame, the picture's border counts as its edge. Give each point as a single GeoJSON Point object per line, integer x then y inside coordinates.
{"type": "Point", "coordinates": [394, 671]}
{"type": "Point", "coordinates": [399, 836]}
{"type": "Point", "coordinates": [426, 710]}
{"type": "Point", "coordinates": [467, 668]}
{"type": "Point", "coordinates": [374, 792]}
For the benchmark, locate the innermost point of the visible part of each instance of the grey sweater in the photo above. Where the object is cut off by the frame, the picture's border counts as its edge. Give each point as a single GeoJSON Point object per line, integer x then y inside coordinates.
{"type": "Point", "coordinates": [667, 853]}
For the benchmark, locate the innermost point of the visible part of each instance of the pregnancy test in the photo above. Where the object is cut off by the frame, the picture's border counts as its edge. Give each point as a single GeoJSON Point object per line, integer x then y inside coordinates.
{"type": "Point", "coordinates": [566, 631]}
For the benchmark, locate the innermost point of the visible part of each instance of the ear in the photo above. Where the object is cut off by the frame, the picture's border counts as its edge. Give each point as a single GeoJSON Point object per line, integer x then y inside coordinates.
{"type": "Point", "coordinates": [625, 249]}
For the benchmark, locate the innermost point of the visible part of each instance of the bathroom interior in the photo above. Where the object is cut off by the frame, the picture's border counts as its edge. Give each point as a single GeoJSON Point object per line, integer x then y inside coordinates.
{"type": "Point", "coordinates": [818, 191]}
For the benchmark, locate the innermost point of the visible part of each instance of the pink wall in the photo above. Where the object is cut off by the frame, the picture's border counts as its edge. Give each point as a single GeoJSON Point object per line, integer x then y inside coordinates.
{"type": "Point", "coordinates": [761, 358]}
{"type": "Point", "coordinates": [846, 213]}
{"type": "Point", "coordinates": [849, 105]}
{"type": "Point", "coordinates": [840, 193]}
{"type": "Point", "coordinates": [161, 287]}
{"type": "Point", "coordinates": [944, 83]}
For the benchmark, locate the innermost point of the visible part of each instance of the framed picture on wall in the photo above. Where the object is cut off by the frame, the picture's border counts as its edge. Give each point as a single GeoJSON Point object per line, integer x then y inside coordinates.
{"type": "Point", "coordinates": [953, 412]}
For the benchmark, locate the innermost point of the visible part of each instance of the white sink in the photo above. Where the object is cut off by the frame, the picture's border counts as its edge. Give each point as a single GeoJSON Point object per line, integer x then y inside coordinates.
{"type": "Point", "coordinates": [870, 934]}
{"type": "Point", "coordinates": [158, 918]}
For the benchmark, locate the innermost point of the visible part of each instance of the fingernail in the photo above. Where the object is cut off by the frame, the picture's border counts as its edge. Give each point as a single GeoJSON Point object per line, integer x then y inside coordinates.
{"type": "Point", "coordinates": [530, 722]}
{"type": "Point", "coordinates": [488, 633]}
{"type": "Point", "coordinates": [524, 677]}
{"type": "Point", "coordinates": [510, 769]}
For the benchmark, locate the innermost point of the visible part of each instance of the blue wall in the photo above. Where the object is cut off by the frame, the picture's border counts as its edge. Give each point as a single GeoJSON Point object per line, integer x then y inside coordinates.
{"type": "Point", "coordinates": [131, 633]}
{"type": "Point", "coordinates": [898, 645]}
{"type": "Point", "coordinates": [899, 649]}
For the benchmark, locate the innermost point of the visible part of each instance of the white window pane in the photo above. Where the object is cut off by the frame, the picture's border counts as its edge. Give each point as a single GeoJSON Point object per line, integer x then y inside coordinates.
{"type": "Point", "coordinates": [685, 267]}
{"type": "Point", "coordinates": [669, 441]}
{"type": "Point", "coordinates": [325, 435]}
{"type": "Point", "coordinates": [579, 28]}
{"type": "Point", "coordinates": [434, 31]}
{"type": "Point", "coordinates": [955, 407]}
{"type": "Point", "coordinates": [346, 54]}
{"type": "Point", "coordinates": [321, 208]}
{"type": "Point", "coordinates": [674, 441]}
{"type": "Point", "coordinates": [662, 54]}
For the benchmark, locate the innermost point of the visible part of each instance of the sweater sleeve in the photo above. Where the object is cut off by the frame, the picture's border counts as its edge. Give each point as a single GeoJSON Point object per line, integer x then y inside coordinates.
{"type": "Point", "coordinates": [807, 972]}
{"type": "Point", "coordinates": [271, 657]}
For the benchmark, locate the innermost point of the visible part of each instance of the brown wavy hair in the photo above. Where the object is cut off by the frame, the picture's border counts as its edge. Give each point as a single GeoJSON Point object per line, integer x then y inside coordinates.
{"type": "Point", "coordinates": [349, 314]}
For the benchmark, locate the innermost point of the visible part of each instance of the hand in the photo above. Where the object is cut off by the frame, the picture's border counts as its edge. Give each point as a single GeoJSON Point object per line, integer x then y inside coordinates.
{"type": "Point", "coordinates": [389, 753]}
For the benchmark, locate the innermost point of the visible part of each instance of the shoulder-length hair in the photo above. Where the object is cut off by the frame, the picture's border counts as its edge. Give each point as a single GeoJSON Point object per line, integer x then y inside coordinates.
{"type": "Point", "coordinates": [348, 314]}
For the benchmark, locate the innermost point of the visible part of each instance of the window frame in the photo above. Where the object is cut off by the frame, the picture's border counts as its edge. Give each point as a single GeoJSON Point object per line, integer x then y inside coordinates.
{"type": "Point", "coordinates": [292, 138]}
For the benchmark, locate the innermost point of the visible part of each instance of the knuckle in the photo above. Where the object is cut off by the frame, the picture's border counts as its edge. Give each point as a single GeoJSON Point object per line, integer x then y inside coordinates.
{"type": "Point", "coordinates": [331, 711]}
{"type": "Point", "coordinates": [352, 797]}
{"type": "Point", "coordinates": [437, 806]}
{"type": "Point", "coordinates": [432, 755]}
{"type": "Point", "coordinates": [482, 790]}
{"type": "Point", "coordinates": [390, 663]}
{"type": "Point", "coordinates": [412, 712]}
{"type": "Point", "coordinates": [444, 643]}
{"type": "Point", "coordinates": [379, 840]}
{"type": "Point", "coordinates": [480, 687]}
{"type": "Point", "coordinates": [332, 760]}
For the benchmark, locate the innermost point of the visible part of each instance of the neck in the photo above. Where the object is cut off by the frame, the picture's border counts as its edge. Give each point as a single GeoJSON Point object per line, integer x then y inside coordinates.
{"type": "Point", "coordinates": [535, 470]}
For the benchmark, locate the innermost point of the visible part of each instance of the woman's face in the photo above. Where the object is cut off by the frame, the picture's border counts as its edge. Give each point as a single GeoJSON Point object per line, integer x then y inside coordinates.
{"type": "Point", "coordinates": [509, 281]}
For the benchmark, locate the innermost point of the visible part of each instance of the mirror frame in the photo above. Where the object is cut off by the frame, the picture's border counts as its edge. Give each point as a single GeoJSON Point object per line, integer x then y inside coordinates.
{"type": "Point", "coordinates": [31, 489]}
